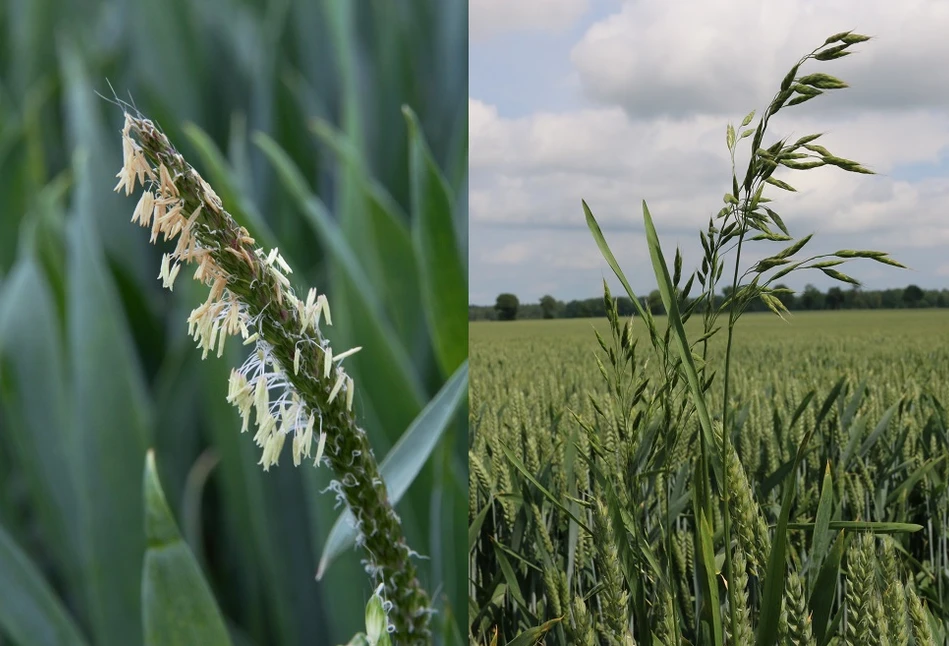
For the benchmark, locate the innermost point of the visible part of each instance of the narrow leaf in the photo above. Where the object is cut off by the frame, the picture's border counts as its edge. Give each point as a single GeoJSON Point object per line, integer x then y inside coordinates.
{"type": "Point", "coordinates": [825, 587]}
{"type": "Point", "coordinates": [178, 606]}
{"type": "Point", "coordinates": [440, 265]}
{"type": "Point", "coordinates": [30, 612]}
{"type": "Point", "coordinates": [671, 303]}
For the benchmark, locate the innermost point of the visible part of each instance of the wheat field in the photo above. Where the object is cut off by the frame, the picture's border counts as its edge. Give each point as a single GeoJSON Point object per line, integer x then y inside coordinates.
{"type": "Point", "coordinates": [542, 420]}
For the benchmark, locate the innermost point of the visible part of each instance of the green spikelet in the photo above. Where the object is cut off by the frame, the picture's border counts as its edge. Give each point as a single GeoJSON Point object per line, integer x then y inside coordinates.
{"type": "Point", "coordinates": [613, 595]}
{"type": "Point", "coordinates": [919, 619]}
{"type": "Point", "coordinates": [479, 481]}
{"type": "Point", "coordinates": [531, 454]}
{"type": "Point", "coordinates": [502, 482]}
{"type": "Point", "coordinates": [880, 624]}
{"type": "Point", "coordinates": [894, 595]}
{"type": "Point", "coordinates": [541, 525]}
{"type": "Point", "coordinates": [855, 491]}
{"type": "Point", "coordinates": [570, 625]}
{"type": "Point", "coordinates": [894, 605]}
{"type": "Point", "coordinates": [683, 560]}
{"type": "Point", "coordinates": [799, 619]}
{"type": "Point", "coordinates": [584, 623]}
{"type": "Point", "coordinates": [557, 459]}
{"type": "Point", "coordinates": [750, 452]}
{"type": "Point", "coordinates": [744, 633]}
{"type": "Point", "coordinates": [582, 558]}
{"type": "Point", "coordinates": [749, 524]}
{"type": "Point", "coordinates": [860, 592]}
{"type": "Point", "coordinates": [551, 585]}
{"type": "Point", "coordinates": [664, 621]}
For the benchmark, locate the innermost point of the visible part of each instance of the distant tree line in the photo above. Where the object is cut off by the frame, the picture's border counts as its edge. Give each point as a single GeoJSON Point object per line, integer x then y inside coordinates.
{"type": "Point", "coordinates": [507, 307]}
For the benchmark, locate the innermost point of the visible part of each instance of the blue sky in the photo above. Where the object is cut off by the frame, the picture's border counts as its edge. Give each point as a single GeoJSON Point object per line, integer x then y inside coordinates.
{"type": "Point", "coordinates": [617, 102]}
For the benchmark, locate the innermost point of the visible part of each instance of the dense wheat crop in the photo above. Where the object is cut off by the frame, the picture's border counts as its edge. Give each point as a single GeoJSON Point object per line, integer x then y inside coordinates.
{"type": "Point", "coordinates": [883, 435]}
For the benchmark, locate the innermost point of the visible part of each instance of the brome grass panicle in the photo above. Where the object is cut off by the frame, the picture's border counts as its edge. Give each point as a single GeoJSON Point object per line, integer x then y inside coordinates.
{"type": "Point", "coordinates": [293, 383]}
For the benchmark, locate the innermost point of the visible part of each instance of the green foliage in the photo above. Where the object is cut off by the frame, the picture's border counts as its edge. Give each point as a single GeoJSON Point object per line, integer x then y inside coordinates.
{"type": "Point", "coordinates": [548, 305]}
{"type": "Point", "coordinates": [177, 604]}
{"type": "Point", "coordinates": [506, 307]}
{"type": "Point", "coordinates": [912, 295]}
{"type": "Point", "coordinates": [310, 121]}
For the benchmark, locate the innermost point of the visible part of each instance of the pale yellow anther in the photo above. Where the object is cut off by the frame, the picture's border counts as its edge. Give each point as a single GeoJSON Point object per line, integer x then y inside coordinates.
{"type": "Point", "coordinates": [283, 264]}
{"type": "Point", "coordinates": [194, 216]}
{"type": "Point", "coordinates": [235, 385]}
{"type": "Point", "coordinates": [173, 215]}
{"type": "Point", "coordinates": [342, 355]}
{"type": "Point", "coordinates": [301, 314]}
{"type": "Point", "coordinates": [185, 242]}
{"type": "Point", "coordinates": [218, 288]}
{"type": "Point", "coordinates": [143, 210]}
{"type": "Point", "coordinates": [167, 186]}
{"type": "Point", "coordinates": [297, 449]}
{"type": "Point", "coordinates": [171, 277]}
{"type": "Point", "coordinates": [308, 435]}
{"type": "Point", "coordinates": [325, 309]}
{"type": "Point", "coordinates": [207, 342]}
{"type": "Point", "coordinates": [233, 321]}
{"type": "Point", "coordinates": [340, 379]}
{"type": "Point", "coordinates": [158, 215]}
{"type": "Point", "coordinates": [163, 272]}
{"type": "Point", "coordinates": [220, 343]}
{"type": "Point", "coordinates": [271, 452]}
{"type": "Point", "coordinates": [327, 361]}
{"type": "Point", "coordinates": [319, 449]}
{"type": "Point", "coordinates": [283, 280]}
{"type": "Point", "coordinates": [260, 398]}
{"type": "Point", "coordinates": [265, 429]}
{"type": "Point", "coordinates": [199, 272]}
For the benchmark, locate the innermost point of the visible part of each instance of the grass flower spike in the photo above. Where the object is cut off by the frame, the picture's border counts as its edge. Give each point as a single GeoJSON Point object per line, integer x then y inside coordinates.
{"type": "Point", "coordinates": [293, 385]}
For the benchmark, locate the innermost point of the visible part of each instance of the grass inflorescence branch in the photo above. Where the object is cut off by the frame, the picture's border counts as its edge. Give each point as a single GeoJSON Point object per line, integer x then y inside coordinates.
{"type": "Point", "coordinates": [292, 383]}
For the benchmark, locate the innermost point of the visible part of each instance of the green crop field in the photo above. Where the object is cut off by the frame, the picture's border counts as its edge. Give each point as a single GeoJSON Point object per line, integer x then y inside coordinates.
{"type": "Point", "coordinates": [551, 365]}
{"type": "Point", "coordinates": [883, 436]}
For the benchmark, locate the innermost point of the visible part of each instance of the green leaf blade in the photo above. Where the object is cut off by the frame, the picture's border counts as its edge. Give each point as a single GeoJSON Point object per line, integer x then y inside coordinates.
{"type": "Point", "coordinates": [442, 273]}
{"type": "Point", "coordinates": [178, 607]}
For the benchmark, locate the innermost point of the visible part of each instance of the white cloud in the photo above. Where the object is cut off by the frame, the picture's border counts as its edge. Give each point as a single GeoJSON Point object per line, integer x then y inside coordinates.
{"type": "Point", "coordinates": [509, 254]}
{"type": "Point", "coordinates": [536, 169]}
{"type": "Point", "coordinates": [487, 18]}
{"type": "Point", "coordinates": [664, 84]}
{"type": "Point", "coordinates": [720, 56]}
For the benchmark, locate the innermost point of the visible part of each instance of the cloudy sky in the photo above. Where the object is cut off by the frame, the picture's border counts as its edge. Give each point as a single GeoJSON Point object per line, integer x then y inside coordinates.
{"type": "Point", "coordinates": [618, 102]}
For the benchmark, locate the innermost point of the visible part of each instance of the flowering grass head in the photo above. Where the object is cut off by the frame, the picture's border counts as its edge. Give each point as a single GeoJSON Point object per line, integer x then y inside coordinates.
{"type": "Point", "coordinates": [250, 293]}
{"type": "Point", "coordinates": [293, 384]}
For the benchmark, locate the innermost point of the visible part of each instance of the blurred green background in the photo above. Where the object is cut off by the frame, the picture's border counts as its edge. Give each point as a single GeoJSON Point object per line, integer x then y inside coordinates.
{"type": "Point", "coordinates": [95, 362]}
